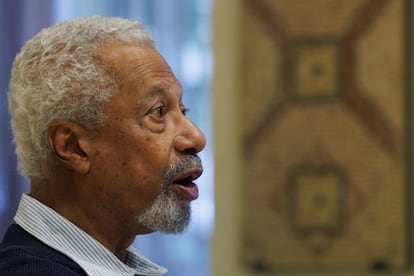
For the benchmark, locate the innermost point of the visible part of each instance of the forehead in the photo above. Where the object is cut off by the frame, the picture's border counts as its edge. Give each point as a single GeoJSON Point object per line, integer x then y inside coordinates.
{"type": "Point", "coordinates": [134, 64]}
{"type": "Point", "coordinates": [141, 75]}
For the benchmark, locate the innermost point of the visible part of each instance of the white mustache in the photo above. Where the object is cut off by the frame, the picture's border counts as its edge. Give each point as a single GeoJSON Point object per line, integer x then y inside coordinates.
{"type": "Point", "coordinates": [173, 170]}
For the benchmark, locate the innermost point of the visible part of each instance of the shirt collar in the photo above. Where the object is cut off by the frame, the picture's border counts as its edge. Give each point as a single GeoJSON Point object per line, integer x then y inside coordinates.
{"type": "Point", "coordinates": [59, 233]}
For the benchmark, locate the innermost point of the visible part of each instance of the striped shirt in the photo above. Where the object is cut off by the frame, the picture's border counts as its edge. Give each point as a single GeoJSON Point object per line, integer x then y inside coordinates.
{"type": "Point", "coordinates": [60, 234]}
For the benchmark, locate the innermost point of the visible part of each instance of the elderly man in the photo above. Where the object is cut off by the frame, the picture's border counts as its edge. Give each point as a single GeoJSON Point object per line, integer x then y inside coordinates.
{"type": "Point", "coordinates": [101, 132]}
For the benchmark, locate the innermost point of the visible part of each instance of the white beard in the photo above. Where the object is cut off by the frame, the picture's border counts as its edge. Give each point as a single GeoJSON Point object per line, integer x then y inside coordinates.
{"type": "Point", "coordinates": [170, 213]}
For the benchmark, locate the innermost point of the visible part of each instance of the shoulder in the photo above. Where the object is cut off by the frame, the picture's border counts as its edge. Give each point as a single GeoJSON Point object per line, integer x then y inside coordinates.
{"type": "Point", "coordinates": [18, 256]}
{"type": "Point", "coordinates": [29, 261]}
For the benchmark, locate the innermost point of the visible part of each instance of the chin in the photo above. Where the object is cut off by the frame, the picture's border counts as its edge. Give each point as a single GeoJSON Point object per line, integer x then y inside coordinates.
{"type": "Point", "coordinates": [166, 215]}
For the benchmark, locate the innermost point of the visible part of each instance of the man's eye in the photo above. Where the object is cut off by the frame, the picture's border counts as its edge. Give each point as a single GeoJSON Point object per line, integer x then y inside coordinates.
{"type": "Point", "coordinates": [159, 111]}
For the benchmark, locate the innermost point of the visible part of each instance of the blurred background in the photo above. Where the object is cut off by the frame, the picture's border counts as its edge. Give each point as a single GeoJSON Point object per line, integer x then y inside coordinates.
{"type": "Point", "coordinates": [313, 137]}
{"type": "Point", "coordinates": [182, 31]}
{"type": "Point", "coordinates": [307, 108]}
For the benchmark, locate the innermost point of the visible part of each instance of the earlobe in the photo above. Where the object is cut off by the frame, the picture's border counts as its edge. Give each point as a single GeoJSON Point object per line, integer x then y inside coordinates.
{"type": "Point", "coordinates": [67, 140]}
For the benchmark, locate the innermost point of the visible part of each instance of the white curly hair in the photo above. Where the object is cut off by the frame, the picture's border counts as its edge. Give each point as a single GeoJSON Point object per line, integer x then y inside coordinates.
{"type": "Point", "coordinates": [57, 75]}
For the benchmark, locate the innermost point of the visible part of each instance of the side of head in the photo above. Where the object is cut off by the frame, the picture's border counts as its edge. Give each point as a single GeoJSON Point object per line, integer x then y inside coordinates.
{"type": "Point", "coordinates": [58, 76]}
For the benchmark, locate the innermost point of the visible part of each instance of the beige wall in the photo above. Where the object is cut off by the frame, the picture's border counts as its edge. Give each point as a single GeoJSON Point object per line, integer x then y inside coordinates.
{"type": "Point", "coordinates": [227, 193]}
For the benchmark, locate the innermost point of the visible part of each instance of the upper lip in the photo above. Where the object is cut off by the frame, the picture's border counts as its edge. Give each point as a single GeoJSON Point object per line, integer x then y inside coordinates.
{"type": "Point", "coordinates": [188, 176]}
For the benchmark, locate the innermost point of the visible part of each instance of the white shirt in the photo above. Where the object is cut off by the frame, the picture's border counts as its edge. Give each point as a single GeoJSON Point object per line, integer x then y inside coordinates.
{"type": "Point", "coordinates": [62, 235]}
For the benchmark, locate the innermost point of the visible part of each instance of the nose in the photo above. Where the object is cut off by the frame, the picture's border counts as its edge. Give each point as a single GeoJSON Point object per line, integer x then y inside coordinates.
{"type": "Point", "coordinates": [189, 138]}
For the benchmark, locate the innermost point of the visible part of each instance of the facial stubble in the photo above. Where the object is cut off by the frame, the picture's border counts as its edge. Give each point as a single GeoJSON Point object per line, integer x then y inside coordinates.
{"type": "Point", "coordinates": [170, 213]}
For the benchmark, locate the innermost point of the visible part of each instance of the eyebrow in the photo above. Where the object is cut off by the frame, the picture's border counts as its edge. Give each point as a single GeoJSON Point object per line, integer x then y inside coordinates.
{"type": "Point", "coordinates": [160, 89]}
{"type": "Point", "coordinates": [157, 90]}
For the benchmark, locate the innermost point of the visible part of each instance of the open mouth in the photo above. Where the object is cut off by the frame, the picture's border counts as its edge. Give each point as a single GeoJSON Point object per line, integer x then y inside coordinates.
{"type": "Point", "coordinates": [184, 184]}
{"type": "Point", "coordinates": [188, 177]}
{"type": "Point", "coordinates": [187, 181]}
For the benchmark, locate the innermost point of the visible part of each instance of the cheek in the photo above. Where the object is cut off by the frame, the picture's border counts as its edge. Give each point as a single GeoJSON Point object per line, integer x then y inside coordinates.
{"type": "Point", "coordinates": [129, 191]}
{"type": "Point", "coordinates": [132, 157]}
{"type": "Point", "coordinates": [139, 173]}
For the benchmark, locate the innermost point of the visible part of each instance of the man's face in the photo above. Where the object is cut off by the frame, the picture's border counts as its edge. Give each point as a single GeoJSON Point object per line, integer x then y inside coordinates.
{"type": "Point", "coordinates": [144, 160]}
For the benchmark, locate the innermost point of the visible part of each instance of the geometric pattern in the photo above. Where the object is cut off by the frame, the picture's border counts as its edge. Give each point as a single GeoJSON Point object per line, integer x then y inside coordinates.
{"type": "Point", "coordinates": [325, 135]}
{"type": "Point", "coordinates": [341, 63]}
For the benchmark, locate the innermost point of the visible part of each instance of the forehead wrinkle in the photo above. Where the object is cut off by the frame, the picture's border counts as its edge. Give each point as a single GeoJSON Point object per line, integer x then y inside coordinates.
{"type": "Point", "coordinates": [162, 89]}
{"type": "Point", "coordinates": [141, 75]}
{"type": "Point", "coordinates": [130, 74]}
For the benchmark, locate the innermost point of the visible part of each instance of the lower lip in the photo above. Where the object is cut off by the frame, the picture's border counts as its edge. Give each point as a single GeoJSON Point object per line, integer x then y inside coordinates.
{"type": "Point", "coordinates": [188, 192]}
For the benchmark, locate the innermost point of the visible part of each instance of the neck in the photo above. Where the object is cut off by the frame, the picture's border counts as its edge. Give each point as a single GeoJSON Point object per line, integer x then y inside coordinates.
{"type": "Point", "coordinates": [67, 197]}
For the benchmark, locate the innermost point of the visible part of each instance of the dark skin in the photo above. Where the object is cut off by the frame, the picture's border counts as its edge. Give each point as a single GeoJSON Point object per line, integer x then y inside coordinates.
{"type": "Point", "coordinates": [103, 180]}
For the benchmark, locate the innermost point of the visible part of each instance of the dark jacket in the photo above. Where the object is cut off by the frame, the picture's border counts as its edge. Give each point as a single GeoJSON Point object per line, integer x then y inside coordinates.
{"type": "Point", "coordinates": [23, 254]}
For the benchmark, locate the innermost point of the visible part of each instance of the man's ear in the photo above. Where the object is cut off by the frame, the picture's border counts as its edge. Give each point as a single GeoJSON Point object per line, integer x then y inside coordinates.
{"type": "Point", "coordinates": [69, 142]}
